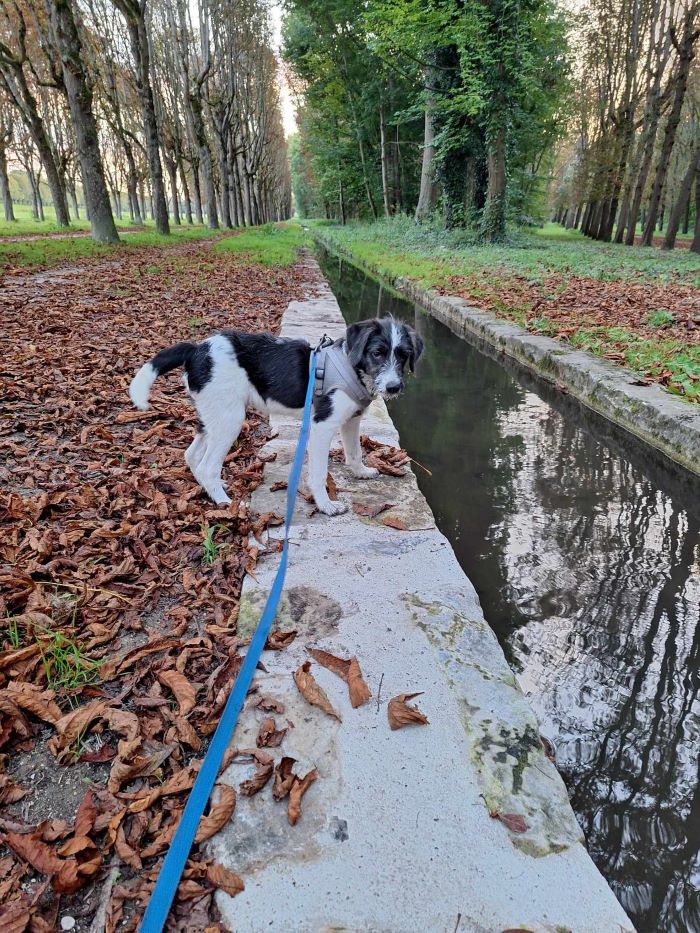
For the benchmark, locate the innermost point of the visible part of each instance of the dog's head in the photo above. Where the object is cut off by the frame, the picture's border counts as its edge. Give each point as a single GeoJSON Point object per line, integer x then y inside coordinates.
{"type": "Point", "coordinates": [379, 350]}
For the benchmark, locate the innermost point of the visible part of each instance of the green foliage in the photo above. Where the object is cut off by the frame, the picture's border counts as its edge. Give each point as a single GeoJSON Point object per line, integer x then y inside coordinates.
{"type": "Point", "coordinates": [211, 549]}
{"type": "Point", "coordinates": [494, 75]}
{"type": "Point", "coordinates": [660, 318]}
{"type": "Point", "coordinates": [65, 663]}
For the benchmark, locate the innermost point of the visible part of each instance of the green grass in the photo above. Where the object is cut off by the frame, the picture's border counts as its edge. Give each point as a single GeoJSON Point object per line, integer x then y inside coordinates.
{"type": "Point", "coordinates": [212, 549]}
{"type": "Point", "coordinates": [49, 252]}
{"type": "Point", "coordinates": [431, 255]}
{"type": "Point", "coordinates": [25, 225]}
{"type": "Point", "coordinates": [269, 245]}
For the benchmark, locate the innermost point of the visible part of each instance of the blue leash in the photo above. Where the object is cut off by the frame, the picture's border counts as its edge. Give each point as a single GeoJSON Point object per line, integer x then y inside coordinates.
{"type": "Point", "coordinates": [174, 863]}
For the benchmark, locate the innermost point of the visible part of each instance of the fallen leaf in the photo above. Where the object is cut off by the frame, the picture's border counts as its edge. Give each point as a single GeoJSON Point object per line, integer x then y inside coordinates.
{"type": "Point", "coordinates": [284, 778]}
{"type": "Point", "coordinates": [297, 791]}
{"type": "Point", "coordinates": [311, 691]}
{"type": "Point", "coordinates": [262, 774]}
{"type": "Point", "coordinates": [401, 714]}
{"type": "Point", "coordinates": [514, 821]}
{"type": "Point", "coordinates": [349, 671]}
{"type": "Point", "coordinates": [269, 736]}
{"type": "Point", "coordinates": [371, 511]}
{"type": "Point", "coordinates": [331, 488]}
{"type": "Point", "coordinates": [185, 693]}
{"type": "Point", "coordinates": [278, 640]}
{"type": "Point", "coordinates": [225, 880]}
{"type": "Point", "coordinates": [391, 521]}
{"type": "Point", "coordinates": [219, 814]}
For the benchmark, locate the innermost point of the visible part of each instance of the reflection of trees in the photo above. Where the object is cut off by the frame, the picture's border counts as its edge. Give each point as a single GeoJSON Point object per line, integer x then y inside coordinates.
{"type": "Point", "coordinates": [591, 578]}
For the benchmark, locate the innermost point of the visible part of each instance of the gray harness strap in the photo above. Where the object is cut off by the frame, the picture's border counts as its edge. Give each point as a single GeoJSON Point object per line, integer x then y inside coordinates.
{"type": "Point", "coordinates": [334, 371]}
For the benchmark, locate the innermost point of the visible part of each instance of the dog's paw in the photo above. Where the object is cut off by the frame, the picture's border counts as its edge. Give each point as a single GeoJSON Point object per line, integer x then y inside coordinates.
{"type": "Point", "coordinates": [332, 508]}
{"type": "Point", "coordinates": [365, 472]}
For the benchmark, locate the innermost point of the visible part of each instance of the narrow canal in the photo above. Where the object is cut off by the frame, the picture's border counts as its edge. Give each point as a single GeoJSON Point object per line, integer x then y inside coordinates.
{"type": "Point", "coordinates": [585, 553]}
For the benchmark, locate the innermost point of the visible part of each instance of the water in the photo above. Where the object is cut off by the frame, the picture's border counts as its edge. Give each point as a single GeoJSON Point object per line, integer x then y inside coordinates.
{"type": "Point", "coordinates": [585, 553]}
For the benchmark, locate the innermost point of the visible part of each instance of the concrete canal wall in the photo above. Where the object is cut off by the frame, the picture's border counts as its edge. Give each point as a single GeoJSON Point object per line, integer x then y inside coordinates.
{"type": "Point", "coordinates": [395, 834]}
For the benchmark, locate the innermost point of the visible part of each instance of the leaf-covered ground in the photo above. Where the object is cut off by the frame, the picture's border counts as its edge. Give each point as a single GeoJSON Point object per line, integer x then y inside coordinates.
{"type": "Point", "coordinates": [119, 581]}
{"type": "Point", "coordinates": [636, 306]}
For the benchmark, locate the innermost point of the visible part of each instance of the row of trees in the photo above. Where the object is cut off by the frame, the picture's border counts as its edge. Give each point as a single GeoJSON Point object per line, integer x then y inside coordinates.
{"type": "Point", "coordinates": [477, 108]}
{"type": "Point", "coordinates": [408, 103]}
{"type": "Point", "coordinates": [174, 103]}
{"type": "Point", "coordinates": [634, 155]}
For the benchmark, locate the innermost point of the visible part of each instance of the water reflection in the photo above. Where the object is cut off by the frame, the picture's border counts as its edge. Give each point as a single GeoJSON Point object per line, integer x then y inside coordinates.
{"type": "Point", "coordinates": [586, 559]}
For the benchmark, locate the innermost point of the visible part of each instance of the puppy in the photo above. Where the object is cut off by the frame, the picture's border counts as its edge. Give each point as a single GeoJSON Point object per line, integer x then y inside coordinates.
{"type": "Point", "coordinates": [233, 370]}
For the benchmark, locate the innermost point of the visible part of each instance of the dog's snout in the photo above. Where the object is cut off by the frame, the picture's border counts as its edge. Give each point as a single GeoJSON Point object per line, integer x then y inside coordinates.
{"type": "Point", "coordinates": [394, 387]}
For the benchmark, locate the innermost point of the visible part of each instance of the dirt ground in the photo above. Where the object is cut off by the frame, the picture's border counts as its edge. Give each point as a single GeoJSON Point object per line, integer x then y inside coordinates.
{"type": "Point", "coordinates": [119, 582]}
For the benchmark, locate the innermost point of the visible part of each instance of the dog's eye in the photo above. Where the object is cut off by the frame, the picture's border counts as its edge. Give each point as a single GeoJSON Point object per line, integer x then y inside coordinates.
{"type": "Point", "coordinates": [377, 353]}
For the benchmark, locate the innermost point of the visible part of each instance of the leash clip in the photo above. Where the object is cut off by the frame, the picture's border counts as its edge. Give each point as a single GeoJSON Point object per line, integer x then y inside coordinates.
{"type": "Point", "coordinates": [324, 342]}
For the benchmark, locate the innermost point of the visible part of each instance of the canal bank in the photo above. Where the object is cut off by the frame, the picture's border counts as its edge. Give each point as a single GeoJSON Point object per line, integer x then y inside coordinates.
{"type": "Point", "coordinates": [645, 411]}
{"type": "Point", "coordinates": [396, 832]}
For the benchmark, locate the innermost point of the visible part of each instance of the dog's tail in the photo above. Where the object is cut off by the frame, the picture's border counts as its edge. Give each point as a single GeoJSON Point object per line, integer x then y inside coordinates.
{"type": "Point", "coordinates": [162, 362]}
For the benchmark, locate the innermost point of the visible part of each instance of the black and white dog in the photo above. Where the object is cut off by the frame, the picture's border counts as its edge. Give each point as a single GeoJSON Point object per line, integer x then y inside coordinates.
{"type": "Point", "coordinates": [233, 370]}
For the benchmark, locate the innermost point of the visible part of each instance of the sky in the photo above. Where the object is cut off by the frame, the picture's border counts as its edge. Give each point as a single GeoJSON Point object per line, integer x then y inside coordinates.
{"type": "Point", "coordinates": [288, 116]}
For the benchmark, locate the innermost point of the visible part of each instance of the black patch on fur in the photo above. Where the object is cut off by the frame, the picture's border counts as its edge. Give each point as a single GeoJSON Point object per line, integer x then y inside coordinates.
{"type": "Point", "coordinates": [172, 357]}
{"type": "Point", "coordinates": [323, 407]}
{"type": "Point", "coordinates": [198, 367]}
{"type": "Point", "coordinates": [278, 367]}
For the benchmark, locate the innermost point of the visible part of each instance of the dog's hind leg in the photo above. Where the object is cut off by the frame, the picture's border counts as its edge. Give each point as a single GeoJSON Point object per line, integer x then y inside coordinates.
{"type": "Point", "coordinates": [220, 436]}
{"type": "Point", "coordinates": [196, 450]}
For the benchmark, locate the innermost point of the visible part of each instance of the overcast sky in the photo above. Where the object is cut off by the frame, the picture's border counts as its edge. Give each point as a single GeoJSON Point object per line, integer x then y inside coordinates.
{"type": "Point", "coordinates": [290, 125]}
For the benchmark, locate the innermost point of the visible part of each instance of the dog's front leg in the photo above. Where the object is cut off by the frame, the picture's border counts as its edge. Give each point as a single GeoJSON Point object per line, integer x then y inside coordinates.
{"type": "Point", "coordinates": [319, 446]}
{"type": "Point", "coordinates": [350, 433]}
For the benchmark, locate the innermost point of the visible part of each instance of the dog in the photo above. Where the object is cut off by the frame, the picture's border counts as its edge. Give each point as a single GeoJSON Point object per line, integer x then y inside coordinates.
{"type": "Point", "coordinates": [233, 370]}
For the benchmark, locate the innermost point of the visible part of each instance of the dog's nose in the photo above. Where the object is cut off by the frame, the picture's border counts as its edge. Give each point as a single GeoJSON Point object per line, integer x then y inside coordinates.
{"type": "Point", "coordinates": [394, 387]}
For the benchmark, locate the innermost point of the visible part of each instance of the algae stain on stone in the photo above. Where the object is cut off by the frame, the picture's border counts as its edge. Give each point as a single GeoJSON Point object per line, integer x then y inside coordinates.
{"type": "Point", "coordinates": [304, 608]}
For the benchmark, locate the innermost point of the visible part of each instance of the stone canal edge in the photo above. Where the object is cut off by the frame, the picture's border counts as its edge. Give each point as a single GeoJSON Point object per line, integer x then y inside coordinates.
{"type": "Point", "coordinates": [396, 833]}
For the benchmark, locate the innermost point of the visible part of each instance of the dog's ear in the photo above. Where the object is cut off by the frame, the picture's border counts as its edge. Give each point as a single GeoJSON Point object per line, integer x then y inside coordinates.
{"type": "Point", "coordinates": [415, 342]}
{"type": "Point", "coordinates": [356, 339]}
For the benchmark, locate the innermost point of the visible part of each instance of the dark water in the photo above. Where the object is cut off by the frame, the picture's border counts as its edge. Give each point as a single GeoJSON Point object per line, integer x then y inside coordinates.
{"type": "Point", "coordinates": [585, 553]}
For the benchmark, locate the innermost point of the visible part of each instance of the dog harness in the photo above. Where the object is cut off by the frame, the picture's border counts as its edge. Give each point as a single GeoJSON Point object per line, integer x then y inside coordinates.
{"type": "Point", "coordinates": [334, 371]}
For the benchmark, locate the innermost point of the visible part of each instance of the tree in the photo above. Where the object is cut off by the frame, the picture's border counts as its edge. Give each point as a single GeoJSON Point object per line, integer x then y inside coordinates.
{"type": "Point", "coordinates": [79, 95]}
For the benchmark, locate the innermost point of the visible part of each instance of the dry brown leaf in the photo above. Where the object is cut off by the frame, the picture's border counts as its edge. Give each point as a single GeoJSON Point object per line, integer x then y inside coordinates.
{"type": "Point", "coordinates": [184, 691]}
{"type": "Point", "coordinates": [284, 778]}
{"type": "Point", "coordinates": [348, 670]}
{"type": "Point", "coordinates": [225, 880]}
{"type": "Point", "coordinates": [297, 791]}
{"type": "Point", "coordinates": [34, 699]}
{"type": "Point", "coordinates": [371, 511]}
{"type": "Point", "coordinates": [30, 848]}
{"type": "Point", "coordinates": [278, 640]}
{"type": "Point", "coordinates": [401, 714]}
{"type": "Point", "coordinates": [331, 488]}
{"type": "Point", "coordinates": [311, 691]}
{"type": "Point", "coordinates": [219, 814]}
{"type": "Point", "coordinates": [514, 821]}
{"type": "Point", "coordinates": [262, 773]}
{"type": "Point", "coordinates": [269, 736]}
{"type": "Point", "coordinates": [391, 521]}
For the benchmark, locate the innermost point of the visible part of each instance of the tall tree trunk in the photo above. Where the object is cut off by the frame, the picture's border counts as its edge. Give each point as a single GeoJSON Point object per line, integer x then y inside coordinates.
{"type": "Point", "coordinates": [493, 218]}
{"type": "Point", "coordinates": [197, 192]}
{"type": "Point", "coordinates": [685, 57]}
{"type": "Point", "coordinates": [5, 185]}
{"type": "Point", "coordinates": [428, 187]}
{"type": "Point", "coordinates": [135, 14]}
{"type": "Point", "coordinates": [171, 167]}
{"type": "Point", "coordinates": [385, 162]}
{"type": "Point", "coordinates": [695, 245]}
{"type": "Point", "coordinates": [185, 191]}
{"type": "Point", "coordinates": [79, 95]}
{"type": "Point", "coordinates": [396, 171]}
{"type": "Point", "coordinates": [682, 201]}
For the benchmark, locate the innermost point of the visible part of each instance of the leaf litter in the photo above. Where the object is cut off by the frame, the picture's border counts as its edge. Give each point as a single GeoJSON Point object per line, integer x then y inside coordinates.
{"type": "Point", "coordinates": [118, 646]}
